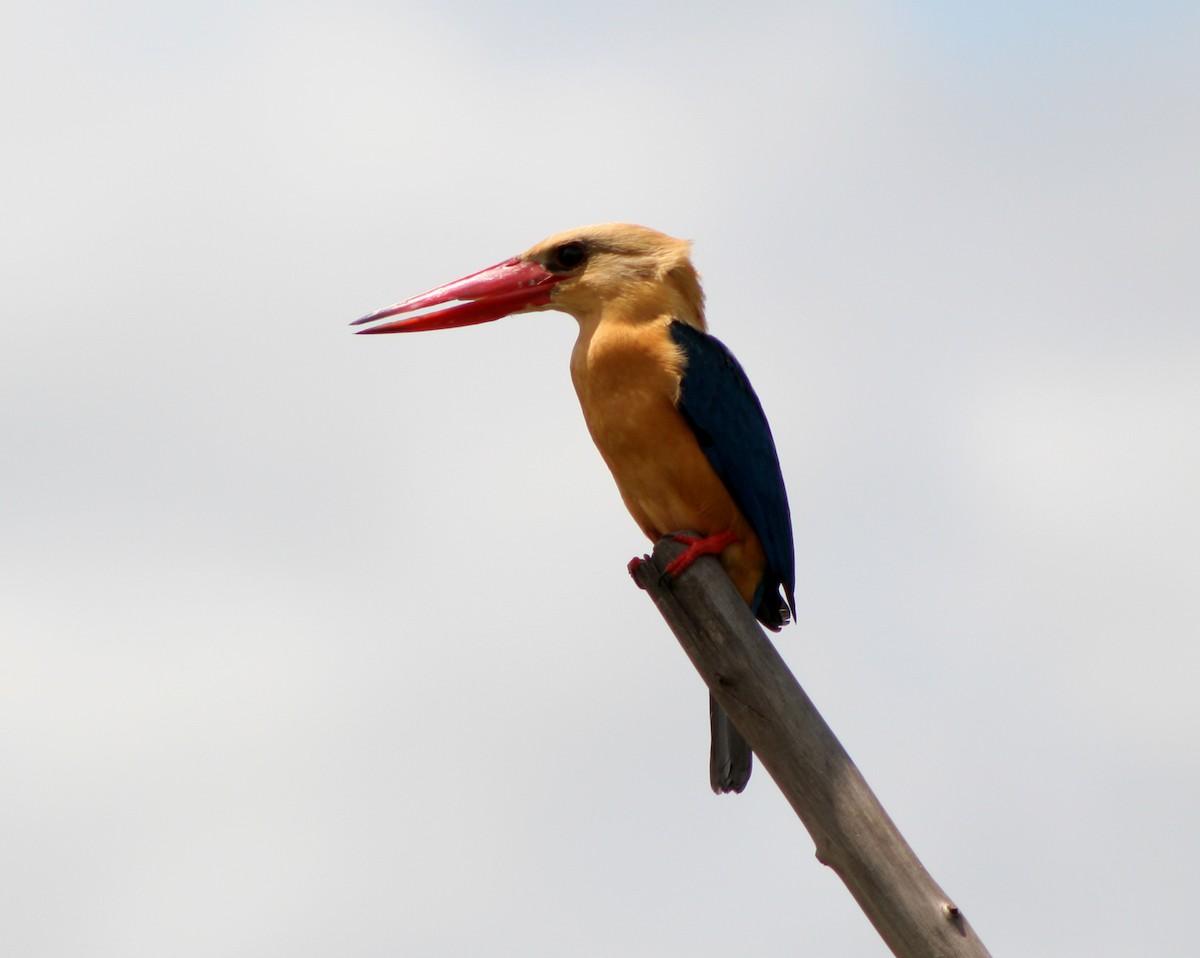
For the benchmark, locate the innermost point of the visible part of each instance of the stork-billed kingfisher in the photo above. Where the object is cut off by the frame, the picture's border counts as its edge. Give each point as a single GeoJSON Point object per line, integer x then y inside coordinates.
{"type": "Point", "coordinates": [667, 405]}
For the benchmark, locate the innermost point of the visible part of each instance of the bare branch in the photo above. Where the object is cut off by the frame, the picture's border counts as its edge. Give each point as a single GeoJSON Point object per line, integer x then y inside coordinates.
{"type": "Point", "coordinates": [853, 834]}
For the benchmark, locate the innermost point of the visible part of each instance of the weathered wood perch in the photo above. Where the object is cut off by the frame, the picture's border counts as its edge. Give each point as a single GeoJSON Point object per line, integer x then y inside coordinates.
{"type": "Point", "coordinates": [853, 834]}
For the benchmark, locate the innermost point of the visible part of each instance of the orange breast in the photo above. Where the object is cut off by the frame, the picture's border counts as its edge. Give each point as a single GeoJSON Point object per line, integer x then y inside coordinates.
{"type": "Point", "coordinates": [627, 377]}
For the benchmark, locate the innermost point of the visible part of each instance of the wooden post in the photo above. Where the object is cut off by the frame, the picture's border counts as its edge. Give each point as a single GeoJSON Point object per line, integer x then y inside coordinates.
{"type": "Point", "coordinates": [853, 834]}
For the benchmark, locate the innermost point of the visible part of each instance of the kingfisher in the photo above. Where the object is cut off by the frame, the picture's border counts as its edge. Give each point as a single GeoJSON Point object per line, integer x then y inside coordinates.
{"type": "Point", "coordinates": [669, 408]}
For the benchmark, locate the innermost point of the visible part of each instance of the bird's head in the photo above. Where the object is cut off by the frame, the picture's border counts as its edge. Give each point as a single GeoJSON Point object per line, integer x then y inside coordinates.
{"type": "Point", "coordinates": [639, 273]}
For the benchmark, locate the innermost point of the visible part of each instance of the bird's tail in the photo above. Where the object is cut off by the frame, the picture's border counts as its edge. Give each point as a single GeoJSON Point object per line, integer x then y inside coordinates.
{"type": "Point", "coordinates": [730, 759]}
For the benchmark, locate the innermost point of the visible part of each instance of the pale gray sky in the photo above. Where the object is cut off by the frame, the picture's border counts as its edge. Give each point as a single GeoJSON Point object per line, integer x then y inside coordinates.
{"type": "Point", "coordinates": [290, 663]}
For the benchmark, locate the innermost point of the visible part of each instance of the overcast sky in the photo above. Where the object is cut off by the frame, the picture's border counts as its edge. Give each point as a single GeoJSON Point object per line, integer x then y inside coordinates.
{"type": "Point", "coordinates": [315, 644]}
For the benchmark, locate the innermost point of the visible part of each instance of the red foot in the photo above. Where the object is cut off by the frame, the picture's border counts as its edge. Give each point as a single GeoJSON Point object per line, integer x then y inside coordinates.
{"type": "Point", "coordinates": [633, 566]}
{"type": "Point", "coordinates": [708, 546]}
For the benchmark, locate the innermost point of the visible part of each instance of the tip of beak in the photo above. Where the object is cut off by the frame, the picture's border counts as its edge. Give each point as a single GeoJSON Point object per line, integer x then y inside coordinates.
{"type": "Point", "coordinates": [400, 307]}
{"type": "Point", "coordinates": [372, 331]}
{"type": "Point", "coordinates": [371, 317]}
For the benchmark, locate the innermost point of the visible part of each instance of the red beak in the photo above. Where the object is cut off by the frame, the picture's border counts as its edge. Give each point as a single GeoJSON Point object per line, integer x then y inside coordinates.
{"type": "Point", "coordinates": [492, 293]}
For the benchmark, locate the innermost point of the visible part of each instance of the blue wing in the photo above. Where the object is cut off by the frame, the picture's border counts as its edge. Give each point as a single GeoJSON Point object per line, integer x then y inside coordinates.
{"type": "Point", "coordinates": [718, 402]}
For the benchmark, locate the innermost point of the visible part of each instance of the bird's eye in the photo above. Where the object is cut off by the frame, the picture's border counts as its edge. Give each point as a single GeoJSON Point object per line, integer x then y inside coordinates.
{"type": "Point", "coordinates": [565, 258]}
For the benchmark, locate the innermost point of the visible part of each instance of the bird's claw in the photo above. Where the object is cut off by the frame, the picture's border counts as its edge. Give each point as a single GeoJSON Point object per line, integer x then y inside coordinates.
{"type": "Point", "coordinates": [634, 564]}
{"type": "Point", "coordinates": [698, 546]}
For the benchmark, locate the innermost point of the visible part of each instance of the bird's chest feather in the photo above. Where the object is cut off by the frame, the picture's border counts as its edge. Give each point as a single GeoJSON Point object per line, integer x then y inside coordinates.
{"type": "Point", "coordinates": [627, 379]}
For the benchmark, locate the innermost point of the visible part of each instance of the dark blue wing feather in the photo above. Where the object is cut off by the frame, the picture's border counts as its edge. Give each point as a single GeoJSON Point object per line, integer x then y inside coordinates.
{"type": "Point", "coordinates": [718, 402]}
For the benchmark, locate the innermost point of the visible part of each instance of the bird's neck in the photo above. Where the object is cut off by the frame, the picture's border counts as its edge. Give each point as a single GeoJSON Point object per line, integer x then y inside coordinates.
{"type": "Point", "coordinates": [617, 354]}
{"type": "Point", "coordinates": [641, 304]}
